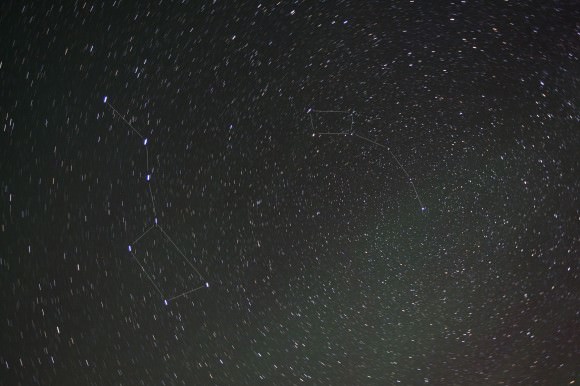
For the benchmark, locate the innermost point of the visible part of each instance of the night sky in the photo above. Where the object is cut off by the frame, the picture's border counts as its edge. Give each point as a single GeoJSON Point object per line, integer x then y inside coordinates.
{"type": "Point", "coordinates": [322, 267]}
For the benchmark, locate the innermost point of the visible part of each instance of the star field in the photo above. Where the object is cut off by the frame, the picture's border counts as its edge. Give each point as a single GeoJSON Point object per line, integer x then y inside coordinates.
{"type": "Point", "coordinates": [281, 193]}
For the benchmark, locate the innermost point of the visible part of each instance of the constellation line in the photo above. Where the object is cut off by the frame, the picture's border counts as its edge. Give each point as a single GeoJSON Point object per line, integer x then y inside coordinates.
{"type": "Point", "coordinates": [155, 224]}
{"type": "Point", "coordinates": [330, 133]}
{"type": "Point", "coordinates": [187, 292]}
{"type": "Point", "coordinates": [328, 111]}
{"type": "Point", "coordinates": [123, 118]}
{"type": "Point", "coordinates": [143, 234]}
{"type": "Point", "coordinates": [352, 133]}
{"type": "Point", "coordinates": [153, 202]}
{"type": "Point", "coordinates": [147, 156]}
{"type": "Point", "coordinates": [146, 273]}
{"type": "Point", "coordinates": [179, 250]}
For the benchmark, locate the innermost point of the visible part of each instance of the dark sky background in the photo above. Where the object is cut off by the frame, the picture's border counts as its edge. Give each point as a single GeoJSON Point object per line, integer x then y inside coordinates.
{"type": "Point", "coordinates": [323, 269]}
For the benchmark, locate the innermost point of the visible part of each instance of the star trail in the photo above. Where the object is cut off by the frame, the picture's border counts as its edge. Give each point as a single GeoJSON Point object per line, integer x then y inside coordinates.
{"type": "Point", "coordinates": [281, 193]}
